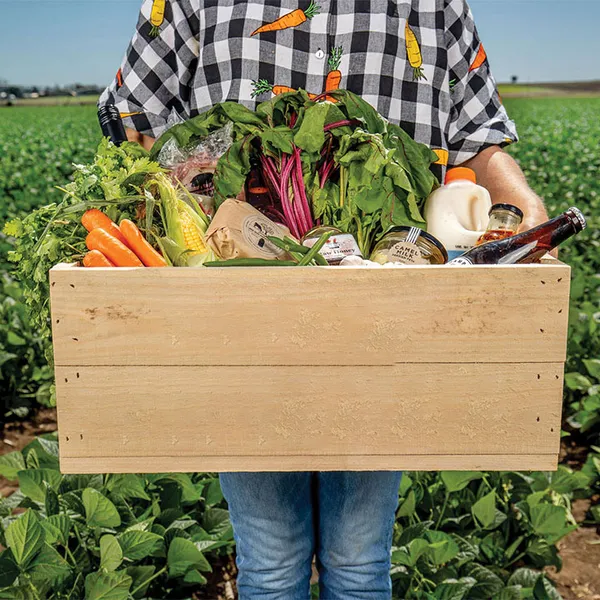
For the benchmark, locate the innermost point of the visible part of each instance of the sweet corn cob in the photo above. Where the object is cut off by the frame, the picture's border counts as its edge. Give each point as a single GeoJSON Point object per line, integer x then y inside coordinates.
{"type": "Point", "coordinates": [191, 233]}
{"type": "Point", "coordinates": [184, 225]}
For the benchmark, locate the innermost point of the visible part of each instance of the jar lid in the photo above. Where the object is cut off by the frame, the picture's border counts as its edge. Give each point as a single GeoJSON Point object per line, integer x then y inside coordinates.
{"type": "Point", "coordinates": [509, 207]}
{"type": "Point", "coordinates": [423, 234]}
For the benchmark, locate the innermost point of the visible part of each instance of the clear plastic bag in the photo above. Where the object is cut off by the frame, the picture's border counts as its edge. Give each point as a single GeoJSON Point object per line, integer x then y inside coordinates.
{"type": "Point", "coordinates": [194, 167]}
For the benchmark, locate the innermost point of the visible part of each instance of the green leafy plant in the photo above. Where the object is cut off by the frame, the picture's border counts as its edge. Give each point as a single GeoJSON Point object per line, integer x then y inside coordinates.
{"type": "Point", "coordinates": [474, 535]}
{"type": "Point", "coordinates": [106, 536]}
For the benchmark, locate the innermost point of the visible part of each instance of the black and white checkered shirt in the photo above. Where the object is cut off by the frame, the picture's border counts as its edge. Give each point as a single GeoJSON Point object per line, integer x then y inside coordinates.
{"type": "Point", "coordinates": [419, 62]}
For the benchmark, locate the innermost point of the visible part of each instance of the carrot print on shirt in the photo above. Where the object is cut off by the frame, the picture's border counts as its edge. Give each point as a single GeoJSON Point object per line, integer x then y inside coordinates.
{"type": "Point", "coordinates": [291, 19]}
{"type": "Point", "coordinates": [413, 51]}
{"type": "Point", "coordinates": [479, 59]}
{"type": "Point", "coordinates": [332, 82]}
{"type": "Point", "coordinates": [157, 16]}
{"type": "Point", "coordinates": [443, 156]}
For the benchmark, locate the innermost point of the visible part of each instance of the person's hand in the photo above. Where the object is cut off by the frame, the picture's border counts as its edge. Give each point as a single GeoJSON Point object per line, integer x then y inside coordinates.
{"type": "Point", "coordinates": [143, 140]}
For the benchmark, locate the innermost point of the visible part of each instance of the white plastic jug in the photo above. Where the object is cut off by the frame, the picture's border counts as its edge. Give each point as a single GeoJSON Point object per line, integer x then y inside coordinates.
{"type": "Point", "coordinates": [458, 212]}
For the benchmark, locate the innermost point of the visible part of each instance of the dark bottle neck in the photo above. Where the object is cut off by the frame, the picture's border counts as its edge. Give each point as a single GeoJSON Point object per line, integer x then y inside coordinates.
{"type": "Point", "coordinates": [112, 124]}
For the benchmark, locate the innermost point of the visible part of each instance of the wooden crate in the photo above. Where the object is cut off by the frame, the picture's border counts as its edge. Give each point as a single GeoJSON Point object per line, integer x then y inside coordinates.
{"type": "Point", "coordinates": [263, 369]}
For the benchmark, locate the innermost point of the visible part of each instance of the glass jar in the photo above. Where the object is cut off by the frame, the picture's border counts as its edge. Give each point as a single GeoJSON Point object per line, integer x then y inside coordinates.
{"type": "Point", "coordinates": [338, 246]}
{"type": "Point", "coordinates": [505, 220]}
{"type": "Point", "coordinates": [409, 246]}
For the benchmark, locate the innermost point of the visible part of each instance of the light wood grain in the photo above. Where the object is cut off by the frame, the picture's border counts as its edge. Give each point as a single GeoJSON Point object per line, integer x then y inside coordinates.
{"type": "Point", "coordinates": [430, 410]}
{"type": "Point", "coordinates": [216, 464]}
{"type": "Point", "coordinates": [309, 316]}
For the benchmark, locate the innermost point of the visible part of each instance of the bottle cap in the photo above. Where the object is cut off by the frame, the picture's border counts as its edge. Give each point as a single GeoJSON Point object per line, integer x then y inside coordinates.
{"type": "Point", "coordinates": [460, 174]}
{"type": "Point", "coordinates": [578, 216]}
{"type": "Point", "coordinates": [509, 207]}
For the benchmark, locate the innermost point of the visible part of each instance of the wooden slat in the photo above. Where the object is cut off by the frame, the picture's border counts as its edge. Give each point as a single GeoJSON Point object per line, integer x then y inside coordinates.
{"type": "Point", "coordinates": [216, 464]}
{"type": "Point", "coordinates": [199, 415]}
{"type": "Point", "coordinates": [313, 316]}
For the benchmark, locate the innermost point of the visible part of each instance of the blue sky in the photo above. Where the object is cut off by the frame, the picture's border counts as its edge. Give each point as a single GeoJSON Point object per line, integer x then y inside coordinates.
{"type": "Point", "coordinates": [46, 42]}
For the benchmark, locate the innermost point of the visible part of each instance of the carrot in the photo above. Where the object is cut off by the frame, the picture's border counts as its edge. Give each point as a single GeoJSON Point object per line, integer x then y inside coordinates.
{"type": "Point", "coordinates": [479, 59]}
{"type": "Point", "coordinates": [95, 258]}
{"type": "Point", "coordinates": [413, 51]}
{"type": "Point", "coordinates": [334, 77]}
{"type": "Point", "coordinates": [157, 16]}
{"type": "Point", "coordinates": [138, 243]}
{"type": "Point", "coordinates": [291, 19]}
{"type": "Point", "coordinates": [94, 219]}
{"type": "Point", "coordinates": [112, 248]}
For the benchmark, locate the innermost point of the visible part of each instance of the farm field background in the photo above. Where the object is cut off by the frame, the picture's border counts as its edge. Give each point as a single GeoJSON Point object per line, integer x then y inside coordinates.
{"type": "Point", "coordinates": [486, 531]}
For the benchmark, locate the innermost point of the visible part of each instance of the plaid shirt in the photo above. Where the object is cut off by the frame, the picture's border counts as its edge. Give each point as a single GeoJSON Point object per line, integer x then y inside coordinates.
{"type": "Point", "coordinates": [419, 62]}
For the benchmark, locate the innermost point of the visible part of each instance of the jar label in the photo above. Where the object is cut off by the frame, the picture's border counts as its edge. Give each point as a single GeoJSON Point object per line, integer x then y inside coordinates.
{"type": "Point", "coordinates": [461, 260]}
{"type": "Point", "coordinates": [337, 247]}
{"type": "Point", "coordinates": [406, 253]}
{"type": "Point", "coordinates": [255, 230]}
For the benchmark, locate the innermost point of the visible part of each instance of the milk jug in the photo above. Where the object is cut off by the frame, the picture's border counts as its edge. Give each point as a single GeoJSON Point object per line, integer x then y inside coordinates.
{"type": "Point", "coordinates": [457, 212]}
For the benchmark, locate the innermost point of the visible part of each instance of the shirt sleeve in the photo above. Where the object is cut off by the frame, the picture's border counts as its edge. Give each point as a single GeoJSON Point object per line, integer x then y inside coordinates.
{"type": "Point", "coordinates": [477, 120]}
{"type": "Point", "coordinates": [152, 86]}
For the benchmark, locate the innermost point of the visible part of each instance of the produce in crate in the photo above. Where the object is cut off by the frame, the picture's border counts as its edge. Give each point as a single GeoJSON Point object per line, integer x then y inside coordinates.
{"type": "Point", "coordinates": [184, 223]}
{"type": "Point", "coordinates": [338, 164]}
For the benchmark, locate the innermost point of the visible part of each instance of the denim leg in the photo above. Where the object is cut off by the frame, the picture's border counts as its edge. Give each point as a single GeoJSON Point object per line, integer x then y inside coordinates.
{"type": "Point", "coordinates": [356, 521]}
{"type": "Point", "coordinates": [273, 527]}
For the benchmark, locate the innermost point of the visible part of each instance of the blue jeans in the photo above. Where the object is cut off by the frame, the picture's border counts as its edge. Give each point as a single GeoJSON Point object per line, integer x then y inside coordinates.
{"type": "Point", "coordinates": [281, 520]}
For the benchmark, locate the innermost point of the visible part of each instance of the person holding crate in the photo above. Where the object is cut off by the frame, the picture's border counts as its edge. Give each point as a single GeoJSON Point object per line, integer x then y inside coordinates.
{"type": "Point", "coordinates": [421, 64]}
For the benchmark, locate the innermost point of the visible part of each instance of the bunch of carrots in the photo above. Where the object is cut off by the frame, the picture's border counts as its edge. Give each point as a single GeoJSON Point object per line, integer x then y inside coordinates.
{"type": "Point", "coordinates": [112, 245]}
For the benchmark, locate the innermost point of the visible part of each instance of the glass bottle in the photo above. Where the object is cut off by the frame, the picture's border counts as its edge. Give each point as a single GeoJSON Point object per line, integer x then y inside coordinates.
{"type": "Point", "coordinates": [112, 124]}
{"type": "Point", "coordinates": [526, 247]}
{"type": "Point", "coordinates": [505, 220]}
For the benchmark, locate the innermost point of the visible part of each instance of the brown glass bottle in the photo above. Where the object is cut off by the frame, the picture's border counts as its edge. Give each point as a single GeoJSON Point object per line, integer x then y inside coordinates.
{"type": "Point", "coordinates": [528, 246]}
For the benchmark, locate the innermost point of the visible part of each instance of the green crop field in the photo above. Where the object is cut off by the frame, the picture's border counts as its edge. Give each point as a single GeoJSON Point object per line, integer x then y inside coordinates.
{"type": "Point", "coordinates": [458, 536]}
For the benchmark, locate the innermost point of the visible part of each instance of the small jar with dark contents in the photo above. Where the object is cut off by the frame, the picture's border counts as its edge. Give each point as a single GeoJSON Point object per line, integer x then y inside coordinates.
{"type": "Point", "coordinates": [409, 246]}
{"type": "Point", "coordinates": [336, 248]}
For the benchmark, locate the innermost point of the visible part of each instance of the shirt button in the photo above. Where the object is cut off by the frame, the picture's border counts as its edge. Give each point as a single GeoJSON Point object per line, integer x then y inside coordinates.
{"type": "Point", "coordinates": [320, 54]}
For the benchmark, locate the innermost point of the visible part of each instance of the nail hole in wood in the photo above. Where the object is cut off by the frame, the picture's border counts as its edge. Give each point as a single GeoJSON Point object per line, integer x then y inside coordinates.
{"type": "Point", "coordinates": [556, 377]}
{"type": "Point", "coordinates": [67, 438]}
{"type": "Point", "coordinates": [71, 285]}
{"type": "Point", "coordinates": [538, 419]}
{"type": "Point", "coordinates": [57, 321]}
{"type": "Point", "coordinates": [559, 280]}
{"type": "Point", "coordinates": [539, 376]}
{"type": "Point", "coordinates": [75, 339]}
{"type": "Point", "coordinates": [77, 375]}
{"type": "Point", "coordinates": [541, 330]}
{"type": "Point", "coordinates": [551, 429]}
{"type": "Point", "coordinates": [53, 283]}
{"type": "Point", "coordinates": [544, 282]}
{"type": "Point", "coordinates": [560, 311]}
{"type": "Point", "coordinates": [66, 380]}
{"type": "Point", "coordinates": [81, 436]}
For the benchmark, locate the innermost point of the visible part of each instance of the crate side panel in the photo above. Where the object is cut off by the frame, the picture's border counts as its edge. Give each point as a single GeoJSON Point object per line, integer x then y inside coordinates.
{"type": "Point", "coordinates": [216, 464]}
{"type": "Point", "coordinates": [428, 409]}
{"type": "Point", "coordinates": [318, 316]}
